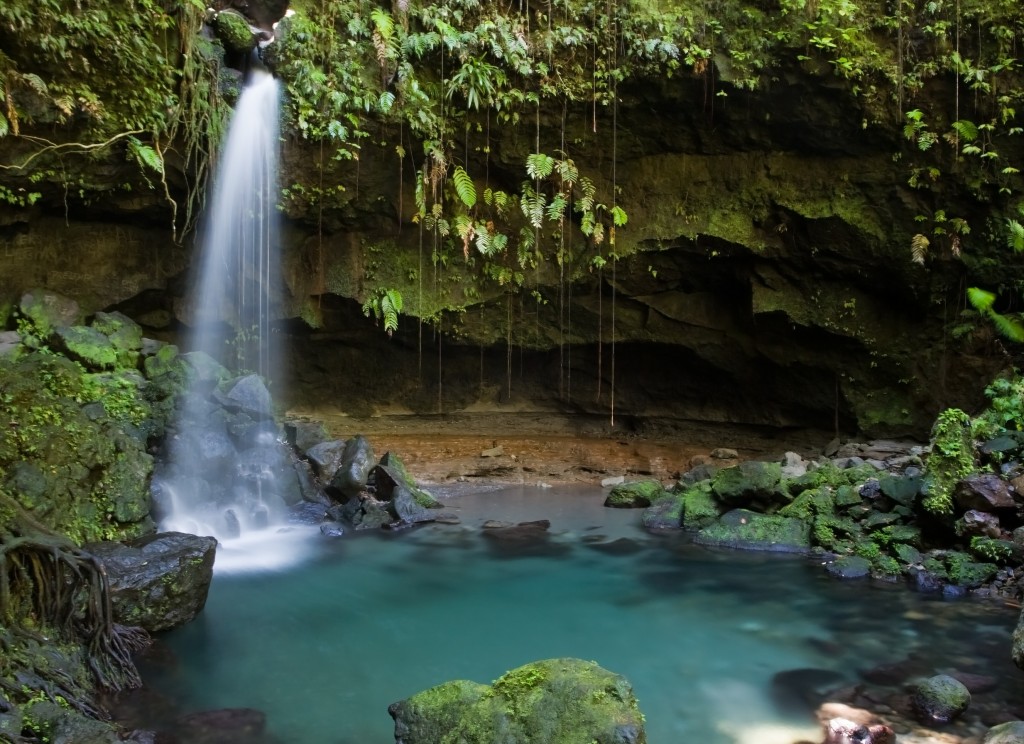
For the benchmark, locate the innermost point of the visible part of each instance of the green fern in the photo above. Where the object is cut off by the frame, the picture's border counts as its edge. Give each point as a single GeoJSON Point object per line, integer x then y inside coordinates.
{"type": "Point", "coordinates": [980, 300]}
{"type": "Point", "coordinates": [145, 155]}
{"type": "Point", "coordinates": [619, 216]}
{"type": "Point", "coordinates": [539, 165]}
{"type": "Point", "coordinates": [1015, 235]}
{"type": "Point", "coordinates": [919, 248]}
{"type": "Point", "coordinates": [464, 186]}
{"type": "Point", "coordinates": [966, 130]}
{"type": "Point", "coordinates": [983, 301]}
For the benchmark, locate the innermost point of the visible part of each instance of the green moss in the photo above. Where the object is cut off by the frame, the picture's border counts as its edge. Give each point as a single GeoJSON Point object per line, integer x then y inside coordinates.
{"type": "Point", "coordinates": [962, 571]}
{"type": "Point", "coordinates": [635, 494]}
{"type": "Point", "coordinates": [951, 460]}
{"type": "Point", "coordinates": [992, 550]}
{"type": "Point", "coordinates": [700, 508]}
{"type": "Point", "coordinates": [809, 504]}
{"type": "Point", "coordinates": [234, 31]}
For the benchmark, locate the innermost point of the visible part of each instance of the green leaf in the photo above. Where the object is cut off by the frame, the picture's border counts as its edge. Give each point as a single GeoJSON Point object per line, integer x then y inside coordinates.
{"type": "Point", "coordinates": [619, 216]}
{"type": "Point", "coordinates": [1009, 327]}
{"type": "Point", "coordinates": [464, 187]}
{"type": "Point", "coordinates": [980, 299]}
{"type": "Point", "coordinates": [145, 155]}
{"type": "Point", "coordinates": [966, 129]}
{"type": "Point", "coordinates": [539, 165]}
{"type": "Point", "coordinates": [4, 126]}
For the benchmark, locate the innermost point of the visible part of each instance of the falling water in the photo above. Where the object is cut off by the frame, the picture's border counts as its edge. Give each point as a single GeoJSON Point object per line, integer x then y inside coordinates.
{"type": "Point", "coordinates": [232, 303]}
{"type": "Point", "coordinates": [226, 472]}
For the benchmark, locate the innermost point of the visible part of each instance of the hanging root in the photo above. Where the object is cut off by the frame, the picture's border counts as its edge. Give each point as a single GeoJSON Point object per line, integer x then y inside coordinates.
{"type": "Point", "coordinates": [51, 587]}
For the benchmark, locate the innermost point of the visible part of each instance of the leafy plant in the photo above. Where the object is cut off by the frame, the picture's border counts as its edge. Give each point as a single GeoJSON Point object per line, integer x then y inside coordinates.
{"type": "Point", "coordinates": [385, 305]}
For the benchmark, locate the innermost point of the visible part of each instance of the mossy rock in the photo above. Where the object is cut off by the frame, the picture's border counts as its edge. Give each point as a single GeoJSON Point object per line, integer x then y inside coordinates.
{"type": "Point", "coordinates": [1011, 732]}
{"type": "Point", "coordinates": [125, 336]}
{"type": "Point", "coordinates": [900, 489]}
{"type": "Point", "coordinates": [46, 311]}
{"type": "Point", "coordinates": [634, 495]}
{"type": "Point", "coordinates": [88, 346]}
{"type": "Point", "coordinates": [967, 573]}
{"type": "Point", "coordinates": [665, 513]}
{"type": "Point", "coordinates": [816, 502]}
{"type": "Point", "coordinates": [939, 699]}
{"type": "Point", "coordinates": [233, 29]}
{"type": "Point", "coordinates": [747, 530]}
{"type": "Point", "coordinates": [700, 508]}
{"type": "Point", "coordinates": [747, 481]}
{"type": "Point", "coordinates": [395, 469]}
{"type": "Point", "coordinates": [557, 701]}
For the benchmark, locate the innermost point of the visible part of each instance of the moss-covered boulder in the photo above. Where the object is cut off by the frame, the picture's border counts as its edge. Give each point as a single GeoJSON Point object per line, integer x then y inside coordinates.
{"type": "Point", "coordinates": [747, 530]}
{"type": "Point", "coordinates": [391, 472]}
{"type": "Point", "coordinates": [951, 460]}
{"type": "Point", "coordinates": [746, 482]}
{"type": "Point", "coordinates": [939, 699]}
{"type": "Point", "coordinates": [86, 345]}
{"type": "Point", "coordinates": [125, 336]}
{"type": "Point", "coordinates": [42, 312]}
{"type": "Point", "coordinates": [1011, 732]}
{"type": "Point", "coordinates": [700, 508]}
{"type": "Point", "coordinates": [233, 29]}
{"type": "Point", "coordinates": [557, 701]}
{"type": "Point", "coordinates": [75, 457]}
{"type": "Point", "coordinates": [634, 495]}
{"type": "Point", "coordinates": [665, 513]}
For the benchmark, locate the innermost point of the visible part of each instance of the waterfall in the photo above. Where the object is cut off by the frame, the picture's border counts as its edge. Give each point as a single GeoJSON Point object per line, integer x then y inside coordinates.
{"type": "Point", "coordinates": [225, 470]}
{"type": "Point", "coordinates": [240, 253]}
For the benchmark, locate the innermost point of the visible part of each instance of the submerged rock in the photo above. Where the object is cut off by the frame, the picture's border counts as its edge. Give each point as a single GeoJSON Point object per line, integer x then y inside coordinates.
{"type": "Point", "coordinates": [557, 701]}
{"type": "Point", "coordinates": [939, 699]}
{"type": "Point", "coordinates": [1011, 732]}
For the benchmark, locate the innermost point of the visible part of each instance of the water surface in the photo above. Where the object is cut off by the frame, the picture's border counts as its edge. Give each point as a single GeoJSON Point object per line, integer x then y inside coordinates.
{"type": "Point", "coordinates": [324, 648]}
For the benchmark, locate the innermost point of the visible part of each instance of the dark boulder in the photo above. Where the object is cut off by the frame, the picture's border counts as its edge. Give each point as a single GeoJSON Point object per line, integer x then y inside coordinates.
{"type": "Point", "coordinates": [158, 582]}
{"type": "Point", "coordinates": [357, 460]}
{"type": "Point", "coordinates": [634, 495]}
{"type": "Point", "coordinates": [985, 493]}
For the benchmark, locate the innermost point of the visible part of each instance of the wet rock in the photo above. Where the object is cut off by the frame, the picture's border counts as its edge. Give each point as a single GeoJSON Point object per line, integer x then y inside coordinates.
{"type": "Point", "coordinates": [332, 529]}
{"type": "Point", "coordinates": [747, 481]}
{"type": "Point", "coordinates": [1011, 732]}
{"type": "Point", "coordinates": [698, 473]}
{"type": "Point", "coordinates": [621, 546]}
{"type": "Point", "coordinates": [48, 311]}
{"type": "Point", "coordinates": [978, 523]}
{"type": "Point", "coordinates": [845, 731]}
{"type": "Point", "coordinates": [803, 690]}
{"type": "Point", "coordinates": [635, 495]}
{"type": "Point", "coordinates": [326, 458]}
{"type": "Point", "coordinates": [665, 513]}
{"type": "Point", "coordinates": [496, 524]}
{"type": "Point", "coordinates": [86, 345]}
{"type": "Point", "coordinates": [158, 582]}
{"type": "Point", "coordinates": [357, 460]}
{"type": "Point", "coordinates": [390, 472]}
{"type": "Point", "coordinates": [249, 395]}
{"type": "Point", "coordinates": [976, 683]}
{"type": "Point", "coordinates": [747, 530]}
{"type": "Point", "coordinates": [895, 673]}
{"type": "Point", "coordinates": [546, 701]}
{"type": "Point", "coordinates": [225, 726]}
{"type": "Point", "coordinates": [305, 434]}
{"type": "Point", "coordinates": [125, 336]}
{"type": "Point", "coordinates": [793, 466]}
{"type": "Point", "coordinates": [938, 700]}
{"type": "Point", "coordinates": [405, 507]}
{"type": "Point", "coordinates": [849, 567]}
{"type": "Point", "coordinates": [902, 490]}
{"type": "Point", "coordinates": [984, 493]}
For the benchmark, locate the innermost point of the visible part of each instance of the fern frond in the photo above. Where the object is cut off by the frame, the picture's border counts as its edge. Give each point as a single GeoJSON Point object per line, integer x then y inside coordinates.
{"type": "Point", "coordinates": [568, 172]}
{"type": "Point", "coordinates": [464, 186]}
{"type": "Point", "coordinates": [619, 216]}
{"type": "Point", "coordinates": [980, 299]}
{"type": "Point", "coordinates": [919, 248]}
{"type": "Point", "coordinates": [966, 130]}
{"type": "Point", "coordinates": [1009, 327]}
{"type": "Point", "coordinates": [4, 126]}
{"type": "Point", "coordinates": [35, 83]}
{"type": "Point", "coordinates": [145, 155]}
{"type": "Point", "coordinates": [1015, 235]}
{"type": "Point", "coordinates": [556, 208]}
{"type": "Point", "coordinates": [539, 165]}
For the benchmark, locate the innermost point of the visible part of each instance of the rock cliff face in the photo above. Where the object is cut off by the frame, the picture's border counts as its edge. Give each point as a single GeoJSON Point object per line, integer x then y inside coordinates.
{"type": "Point", "coordinates": [764, 276]}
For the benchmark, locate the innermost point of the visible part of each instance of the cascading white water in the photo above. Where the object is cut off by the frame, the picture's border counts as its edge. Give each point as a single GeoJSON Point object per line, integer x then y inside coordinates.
{"type": "Point", "coordinates": [226, 472]}
{"type": "Point", "coordinates": [235, 284]}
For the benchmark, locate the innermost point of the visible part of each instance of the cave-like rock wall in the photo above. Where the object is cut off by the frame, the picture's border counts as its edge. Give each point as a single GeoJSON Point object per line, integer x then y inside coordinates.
{"type": "Point", "coordinates": [764, 276]}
